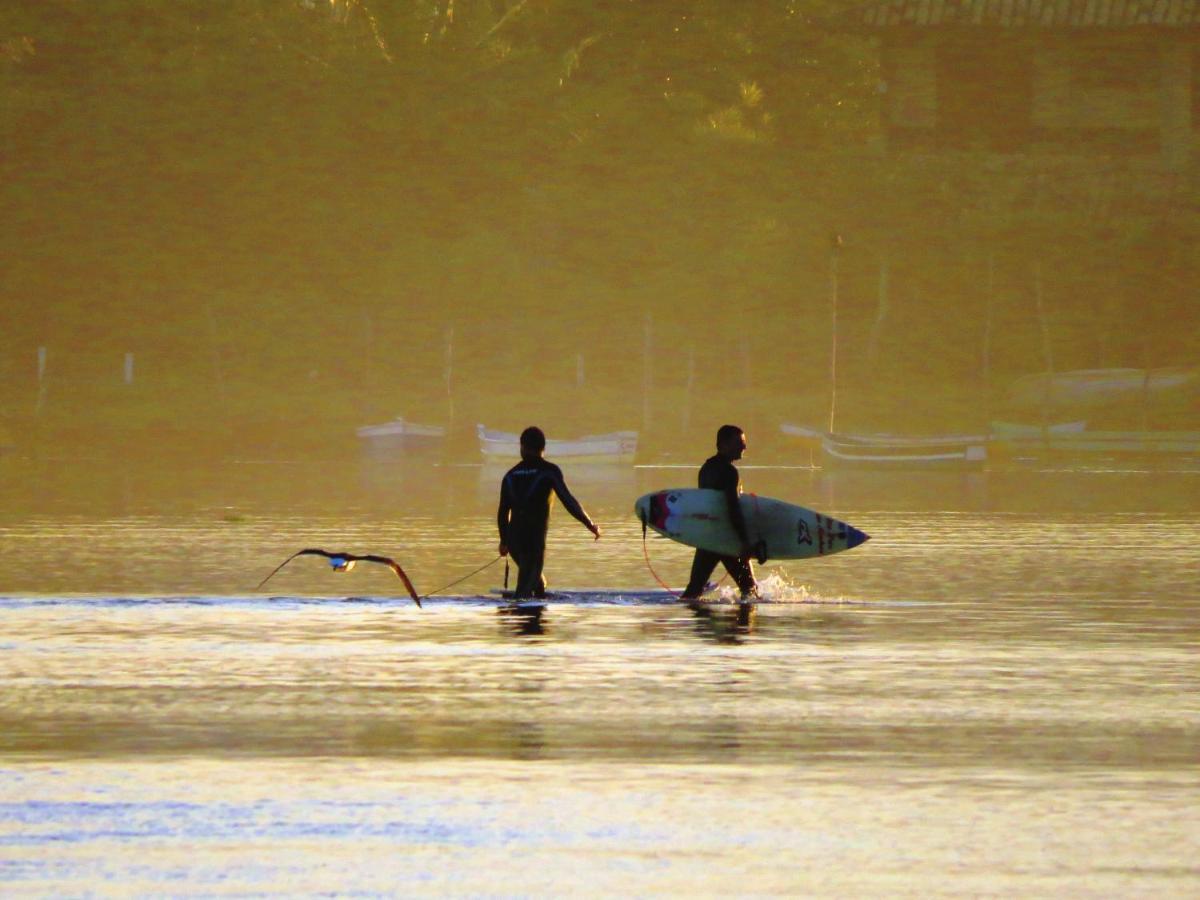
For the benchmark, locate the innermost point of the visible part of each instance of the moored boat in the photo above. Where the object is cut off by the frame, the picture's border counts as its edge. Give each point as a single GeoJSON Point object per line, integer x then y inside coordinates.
{"type": "Point", "coordinates": [401, 435]}
{"type": "Point", "coordinates": [1069, 438]}
{"type": "Point", "coordinates": [949, 451]}
{"type": "Point", "coordinates": [1082, 389]}
{"type": "Point", "coordinates": [613, 447]}
{"type": "Point", "coordinates": [943, 451]}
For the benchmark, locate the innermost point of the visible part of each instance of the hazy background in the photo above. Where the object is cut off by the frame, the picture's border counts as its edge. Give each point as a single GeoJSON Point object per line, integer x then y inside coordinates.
{"type": "Point", "coordinates": [289, 212]}
{"type": "Point", "coordinates": [607, 214]}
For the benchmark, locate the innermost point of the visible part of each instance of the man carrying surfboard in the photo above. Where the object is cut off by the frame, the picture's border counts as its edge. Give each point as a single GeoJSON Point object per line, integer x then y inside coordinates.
{"type": "Point", "coordinates": [720, 474]}
{"type": "Point", "coordinates": [526, 495]}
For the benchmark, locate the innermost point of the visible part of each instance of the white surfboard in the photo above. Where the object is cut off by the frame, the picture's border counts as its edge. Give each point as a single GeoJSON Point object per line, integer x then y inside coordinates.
{"type": "Point", "coordinates": [700, 518]}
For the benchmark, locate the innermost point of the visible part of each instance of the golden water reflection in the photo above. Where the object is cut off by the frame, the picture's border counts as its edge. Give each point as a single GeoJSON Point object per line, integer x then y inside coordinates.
{"type": "Point", "coordinates": [1008, 692]}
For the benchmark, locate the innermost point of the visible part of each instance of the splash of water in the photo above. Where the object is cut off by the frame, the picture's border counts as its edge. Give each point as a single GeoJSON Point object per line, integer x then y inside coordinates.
{"type": "Point", "coordinates": [777, 588]}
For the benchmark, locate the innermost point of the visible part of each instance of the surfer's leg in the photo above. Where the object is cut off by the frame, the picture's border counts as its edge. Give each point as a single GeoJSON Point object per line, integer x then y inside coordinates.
{"type": "Point", "coordinates": [702, 566]}
{"type": "Point", "coordinates": [530, 556]}
{"type": "Point", "coordinates": [516, 549]}
{"type": "Point", "coordinates": [525, 581]}
{"type": "Point", "coordinates": [537, 559]}
{"type": "Point", "coordinates": [743, 575]}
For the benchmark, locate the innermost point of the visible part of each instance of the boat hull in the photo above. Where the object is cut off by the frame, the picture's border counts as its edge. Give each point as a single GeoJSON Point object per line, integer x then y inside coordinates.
{"type": "Point", "coordinates": [401, 436]}
{"type": "Point", "coordinates": [1022, 439]}
{"type": "Point", "coordinates": [1093, 389]}
{"type": "Point", "coordinates": [619, 447]}
{"type": "Point", "coordinates": [892, 451]}
{"type": "Point", "coordinates": [911, 453]}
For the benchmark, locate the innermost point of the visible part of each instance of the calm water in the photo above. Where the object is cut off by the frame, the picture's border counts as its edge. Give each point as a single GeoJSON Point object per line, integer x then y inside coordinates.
{"type": "Point", "coordinates": [998, 695]}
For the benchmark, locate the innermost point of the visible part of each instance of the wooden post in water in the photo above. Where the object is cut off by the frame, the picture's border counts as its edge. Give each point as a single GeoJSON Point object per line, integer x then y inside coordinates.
{"type": "Point", "coordinates": [647, 371]}
{"type": "Point", "coordinates": [449, 376]}
{"type": "Point", "coordinates": [215, 343]}
{"type": "Point", "coordinates": [989, 313]}
{"type": "Point", "coordinates": [128, 368]}
{"type": "Point", "coordinates": [368, 355]}
{"type": "Point", "coordinates": [880, 314]}
{"type": "Point", "coordinates": [1145, 382]}
{"type": "Point", "coordinates": [747, 375]}
{"type": "Point", "coordinates": [686, 421]}
{"type": "Point", "coordinates": [834, 253]}
{"type": "Point", "coordinates": [1047, 349]}
{"type": "Point", "coordinates": [41, 381]}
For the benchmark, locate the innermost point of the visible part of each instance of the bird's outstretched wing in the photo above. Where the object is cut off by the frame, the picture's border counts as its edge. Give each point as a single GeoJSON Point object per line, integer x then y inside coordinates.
{"type": "Point", "coordinates": [395, 567]}
{"type": "Point", "coordinates": [309, 552]}
{"type": "Point", "coordinates": [350, 557]}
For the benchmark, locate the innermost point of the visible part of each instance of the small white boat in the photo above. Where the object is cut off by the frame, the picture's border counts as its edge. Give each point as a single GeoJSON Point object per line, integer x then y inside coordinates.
{"type": "Point", "coordinates": [1069, 438]}
{"type": "Point", "coordinates": [803, 432]}
{"type": "Point", "coordinates": [1082, 389]}
{"type": "Point", "coordinates": [614, 447]}
{"type": "Point", "coordinates": [884, 451]}
{"type": "Point", "coordinates": [400, 434]}
{"type": "Point", "coordinates": [947, 451]}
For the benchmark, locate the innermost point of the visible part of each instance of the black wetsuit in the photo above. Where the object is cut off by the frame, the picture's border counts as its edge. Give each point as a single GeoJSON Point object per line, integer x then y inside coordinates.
{"type": "Point", "coordinates": [719, 474]}
{"type": "Point", "coordinates": [526, 495]}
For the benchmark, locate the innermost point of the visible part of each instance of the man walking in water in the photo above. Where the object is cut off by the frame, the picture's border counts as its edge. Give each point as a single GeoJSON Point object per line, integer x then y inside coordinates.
{"type": "Point", "coordinates": [526, 495]}
{"type": "Point", "coordinates": [720, 474]}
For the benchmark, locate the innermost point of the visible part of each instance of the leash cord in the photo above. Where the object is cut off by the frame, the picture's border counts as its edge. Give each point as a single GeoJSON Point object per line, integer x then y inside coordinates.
{"type": "Point", "coordinates": [446, 587]}
{"type": "Point", "coordinates": [646, 554]}
{"type": "Point", "coordinates": [662, 584]}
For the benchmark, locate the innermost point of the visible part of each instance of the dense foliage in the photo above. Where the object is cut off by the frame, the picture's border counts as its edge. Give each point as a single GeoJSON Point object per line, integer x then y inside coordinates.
{"type": "Point", "coordinates": [290, 211]}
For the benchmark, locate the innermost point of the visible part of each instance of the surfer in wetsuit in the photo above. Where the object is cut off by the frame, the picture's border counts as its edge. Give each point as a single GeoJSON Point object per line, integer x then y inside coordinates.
{"type": "Point", "coordinates": [526, 495]}
{"type": "Point", "coordinates": [720, 474]}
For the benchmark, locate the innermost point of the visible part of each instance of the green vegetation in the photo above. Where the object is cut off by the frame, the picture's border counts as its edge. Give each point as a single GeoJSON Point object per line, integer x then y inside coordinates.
{"type": "Point", "coordinates": [281, 208]}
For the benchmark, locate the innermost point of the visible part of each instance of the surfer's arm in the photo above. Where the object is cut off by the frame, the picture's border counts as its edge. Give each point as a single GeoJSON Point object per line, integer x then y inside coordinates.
{"type": "Point", "coordinates": [736, 518]}
{"type": "Point", "coordinates": [503, 513]}
{"type": "Point", "coordinates": [571, 505]}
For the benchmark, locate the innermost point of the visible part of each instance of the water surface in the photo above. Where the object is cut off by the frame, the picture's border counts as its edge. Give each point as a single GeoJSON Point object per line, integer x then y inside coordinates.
{"type": "Point", "coordinates": [996, 695]}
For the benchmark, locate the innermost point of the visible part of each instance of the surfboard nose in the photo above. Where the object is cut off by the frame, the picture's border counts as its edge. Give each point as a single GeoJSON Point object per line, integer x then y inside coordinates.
{"type": "Point", "coordinates": [854, 537]}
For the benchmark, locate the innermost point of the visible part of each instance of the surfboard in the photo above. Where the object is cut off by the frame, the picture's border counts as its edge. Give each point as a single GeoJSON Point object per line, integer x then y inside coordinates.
{"type": "Point", "coordinates": [699, 517]}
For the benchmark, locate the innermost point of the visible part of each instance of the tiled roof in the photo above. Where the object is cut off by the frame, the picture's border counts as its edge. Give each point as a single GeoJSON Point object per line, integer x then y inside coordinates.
{"type": "Point", "coordinates": [1029, 13]}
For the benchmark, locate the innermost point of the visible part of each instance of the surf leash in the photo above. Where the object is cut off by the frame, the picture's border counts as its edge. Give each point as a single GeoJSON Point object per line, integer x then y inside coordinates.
{"type": "Point", "coordinates": [678, 595]}
{"type": "Point", "coordinates": [646, 555]}
{"type": "Point", "coordinates": [492, 562]}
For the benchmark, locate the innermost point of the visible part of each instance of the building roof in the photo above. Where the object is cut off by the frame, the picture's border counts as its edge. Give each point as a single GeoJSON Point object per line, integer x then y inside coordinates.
{"type": "Point", "coordinates": [1029, 14]}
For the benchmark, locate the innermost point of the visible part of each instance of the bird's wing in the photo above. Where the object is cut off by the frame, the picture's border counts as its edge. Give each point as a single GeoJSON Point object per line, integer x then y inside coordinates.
{"type": "Point", "coordinates": [311, 551]}
{"type": "Point", "coordinates": [350, 557]}
{"type": "Point", "coordinates": [278, 567]}
{"type": "Point", "coordinates": [395, 567]}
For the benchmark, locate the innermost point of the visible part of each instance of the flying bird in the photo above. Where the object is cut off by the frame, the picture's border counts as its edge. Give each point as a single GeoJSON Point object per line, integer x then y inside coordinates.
{"type": "Point", "coordinates": [344, 562]}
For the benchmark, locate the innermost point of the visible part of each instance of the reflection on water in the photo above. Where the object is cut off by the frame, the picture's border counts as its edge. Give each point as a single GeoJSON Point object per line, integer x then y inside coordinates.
{"type": "Point", "coordinates": [1006, 685]}
{"type": "Point", "coordinates": [521, 827]}
{"type": "Point", "coordinates": [780, 682]}
{"type": "Point", "coordinates": [721, 625]}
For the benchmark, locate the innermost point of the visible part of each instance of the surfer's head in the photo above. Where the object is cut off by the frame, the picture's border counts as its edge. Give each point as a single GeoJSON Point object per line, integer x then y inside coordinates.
{"type": "Point", "coordinates": [533, 442]}
{"type": "Point", "coordinates": [731, 441]}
